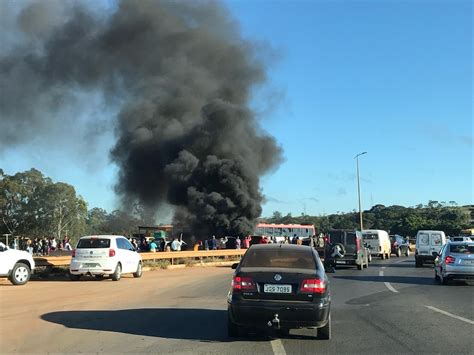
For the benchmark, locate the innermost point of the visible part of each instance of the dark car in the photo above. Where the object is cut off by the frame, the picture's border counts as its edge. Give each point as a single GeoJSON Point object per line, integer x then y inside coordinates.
{"type": "Point", "coordinates": [399, 245]}
{"type": "Point", "coordinates": [279, 287]}
{"type": "Point", "coordinates": [345, 247]}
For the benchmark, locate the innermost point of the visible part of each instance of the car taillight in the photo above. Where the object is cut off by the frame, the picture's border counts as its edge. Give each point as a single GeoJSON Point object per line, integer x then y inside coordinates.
{"type": "Point", "coordinates": [449, 259]}
{"type": "Point", "coordinates": [73, 253]}
{"type": "Point", "coordinates": [243, 284]}
{"type": "Point", "coordinates": [313, 286]}
{"type": "Point", "coordinates": [111, 252]}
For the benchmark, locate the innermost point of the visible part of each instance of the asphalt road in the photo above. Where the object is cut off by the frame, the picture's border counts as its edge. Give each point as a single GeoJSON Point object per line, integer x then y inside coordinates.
{"type": "Point", "coordinates": [391, 307]}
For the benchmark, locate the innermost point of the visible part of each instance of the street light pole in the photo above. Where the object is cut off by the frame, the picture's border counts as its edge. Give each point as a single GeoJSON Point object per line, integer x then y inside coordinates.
{"type": "Point", "coordinates": [358, 189]}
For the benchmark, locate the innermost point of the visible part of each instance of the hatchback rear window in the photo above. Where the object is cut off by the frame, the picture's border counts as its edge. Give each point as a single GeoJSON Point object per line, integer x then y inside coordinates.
{"type": "Point", "coordinates": [462, 249]}
{"type": "Point", "coordinates": [370, 236]}
{"type": "Point", "coordinates": [93, 243]}
{"type": "Point", "coordinates": [347, 238]}
{"type": "Point", "coordinates": [279, 258]}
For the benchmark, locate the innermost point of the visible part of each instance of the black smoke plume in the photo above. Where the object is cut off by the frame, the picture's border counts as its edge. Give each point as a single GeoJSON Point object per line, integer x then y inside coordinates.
{"type": "Point", "coordinates": [182, 77]}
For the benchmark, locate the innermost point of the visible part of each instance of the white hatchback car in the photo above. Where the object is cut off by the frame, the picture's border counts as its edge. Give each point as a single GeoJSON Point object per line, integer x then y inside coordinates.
{"type": "Point", "coordinates": [105, 255]}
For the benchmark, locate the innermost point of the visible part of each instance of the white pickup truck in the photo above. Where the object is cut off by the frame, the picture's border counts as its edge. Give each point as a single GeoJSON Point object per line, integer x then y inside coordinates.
{"type": "Point", "coordinates": [16, 265]}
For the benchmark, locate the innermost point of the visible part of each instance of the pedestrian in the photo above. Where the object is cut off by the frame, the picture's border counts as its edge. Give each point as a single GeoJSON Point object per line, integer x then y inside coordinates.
{"type": "Point", "coordinates": [237, 243]}
{"type": "Point", "coordinates": [299, 241]}
{"type": "Point", "coordinates": [153, 247]}
{"type": "Point", "coordinates": [206, 244]}
{"type": "Point", "coordinates": [213, 243]}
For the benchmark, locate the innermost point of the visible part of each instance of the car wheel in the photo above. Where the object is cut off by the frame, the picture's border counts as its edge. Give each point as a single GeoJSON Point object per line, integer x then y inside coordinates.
{"type": "Point", "coordinates": [399, 253]}
{"type": "Point", "coordinates": [73, 277]}
{"type": "Point", "coordinates": [139, 271]}
{"type": "Point", "coordinates": [418, 263]}
{"type": "Point", "coordinates": [382, 256]}
{"type": "Point", "coordinates": [436, 277]}
{"type": "Point", "coordinates": [407, 253]}
{"type": "Point", "coordinates": [370, 258]}
{"type": "Point", "coordinates": [324, 333]}
{"type": "Point", "coordinates": [389, 255]}
{"type": "Point", "coordinates": [283, 333]}
{"type": "Point", "coordinates": [117, 273]}
{"type": "Point", "coordinates": [232, 329]}
{"type": "Point", "coordinates": [360, 266]}
{"type": "Point", "coordinates": [20, 274]}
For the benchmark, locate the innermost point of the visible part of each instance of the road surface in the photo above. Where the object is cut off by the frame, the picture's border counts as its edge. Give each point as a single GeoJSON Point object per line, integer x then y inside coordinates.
{"type": "Point", "coordinates": [391, 307]}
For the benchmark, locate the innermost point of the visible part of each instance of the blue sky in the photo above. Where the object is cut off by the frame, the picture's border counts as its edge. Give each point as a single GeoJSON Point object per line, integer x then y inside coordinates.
{"type": "Point", "coordinates": [393, 78]}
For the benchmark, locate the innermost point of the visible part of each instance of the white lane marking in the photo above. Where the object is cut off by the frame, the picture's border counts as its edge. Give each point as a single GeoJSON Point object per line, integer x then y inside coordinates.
{"type": "Point", "coordinates": [383, 267]}
{"type": "Point", "coordinates": [450, 315]}
{"type": "Point", "coordinates": [387, 284]}
{"type": "Point", "coordinates": [390, 287]}
{"type": "Point", "coordinates": [277, 347]}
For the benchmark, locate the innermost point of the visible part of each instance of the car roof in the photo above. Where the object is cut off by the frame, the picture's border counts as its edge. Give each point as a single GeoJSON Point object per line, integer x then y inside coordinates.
{"type": "Point", "coordinates": [103, 236]}
{"type": "Point", "coordinates": [278, 246]}
{"type": "Point", "coordinates": [461, 242]}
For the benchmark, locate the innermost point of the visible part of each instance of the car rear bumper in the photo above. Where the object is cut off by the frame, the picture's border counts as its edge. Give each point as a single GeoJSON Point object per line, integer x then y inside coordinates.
{"type": "Point", "coordinates": [425, 258]}
{"type": "Point", "coordinates": [258, 314]}
{"type": "Point", "coordinates": [459, 272]}
{"type": "Point", "coordinates": [81, 268]}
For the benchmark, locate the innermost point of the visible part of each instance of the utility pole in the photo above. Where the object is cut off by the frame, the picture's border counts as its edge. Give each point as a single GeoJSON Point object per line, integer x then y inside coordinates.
{"type": "Point", "coordinates": [358, 189]}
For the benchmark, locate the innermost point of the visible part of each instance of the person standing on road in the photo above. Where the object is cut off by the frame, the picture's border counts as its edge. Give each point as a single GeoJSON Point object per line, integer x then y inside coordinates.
{"type": "Point", "coordinates": [237, 243]}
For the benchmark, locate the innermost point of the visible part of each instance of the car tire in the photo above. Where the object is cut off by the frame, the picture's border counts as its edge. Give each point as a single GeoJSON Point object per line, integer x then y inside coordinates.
{"type": "Point", "coordinates": [407, 253]}
{"type": "Point", "coordinates": [73, 277]}
{"type": "Point", "coordinates": [360, 266]}
{"type": "Point", "coordinates": [283, 333]}
{"type": "Point", "coordinates": [117, 273]}
{"type": "Point", "coordinates": [382, 256]}
{"type": "Point", "coordinates": [324, 333]}
{"type": "Point", "coordinates": [399, 253]}
{"type": "Point", "coordinates": [418, 263]}
{"type": "Point", "coordinates": [139, 271]}
{"type": "Point", "coordinates": [232, 329]}
{"type": "Point", "coordinates": [20, 274]}
{"type": "Point", "coordinates": [370, 258]}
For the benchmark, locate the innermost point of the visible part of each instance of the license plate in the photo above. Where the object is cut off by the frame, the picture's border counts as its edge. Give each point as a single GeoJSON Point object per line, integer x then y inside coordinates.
{"type": "Point", "coordinates": [267, 288]}
{"type": "Point", "coordinates": [468, 262]}
{"type": "Point", "coordinates": [90, 265]}
{"type": "Point", "coordinates": [340, 262]}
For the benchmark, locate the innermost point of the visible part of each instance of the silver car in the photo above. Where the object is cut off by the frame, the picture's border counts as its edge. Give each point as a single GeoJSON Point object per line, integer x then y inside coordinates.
{"type": "Point", "coordinates": [455, 261]}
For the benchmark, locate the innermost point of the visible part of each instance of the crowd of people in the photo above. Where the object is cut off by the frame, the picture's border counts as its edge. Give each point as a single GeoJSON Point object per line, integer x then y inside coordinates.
{"type": "Point", "coordinates": [41, 246]}
{"type": "Point", "coordinates": [215, 243]}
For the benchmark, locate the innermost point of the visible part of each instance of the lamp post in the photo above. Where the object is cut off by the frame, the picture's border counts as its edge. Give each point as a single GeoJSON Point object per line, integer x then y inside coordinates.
{"type": "Point", "coordinates": [358, 189]}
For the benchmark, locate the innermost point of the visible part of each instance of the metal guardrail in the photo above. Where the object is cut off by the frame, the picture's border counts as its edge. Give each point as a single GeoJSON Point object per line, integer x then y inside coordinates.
{"type": "Point", "coordinates": [171, 256]}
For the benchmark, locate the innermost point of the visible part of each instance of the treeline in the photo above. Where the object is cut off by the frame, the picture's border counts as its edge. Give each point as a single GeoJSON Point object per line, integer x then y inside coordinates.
{"type": "Point", "coordinates": [32, 205]}
{"type": "Point", "coordinates": [401, 220]}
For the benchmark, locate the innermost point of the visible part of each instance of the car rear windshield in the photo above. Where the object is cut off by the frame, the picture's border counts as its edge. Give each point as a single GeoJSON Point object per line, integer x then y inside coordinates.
{"type": "Point", "coordinates": [93, 243]}
{"type": "Point", "coordinates": [462, 249]}
{"type": "Point", "coordinates": [280, 258]}
{"type": "Point", "coordinates": [370, 236]}
{"type": "Point", "coordinates": [348, 238]}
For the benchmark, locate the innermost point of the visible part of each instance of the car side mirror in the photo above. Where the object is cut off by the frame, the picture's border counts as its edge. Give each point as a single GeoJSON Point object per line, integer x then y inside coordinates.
{"type": "Point", "coordinates": [329, 269]}
{"type": "Point", "coordinates": [435, 254]}
{"type": "Point", "coordinates": [234, 266]}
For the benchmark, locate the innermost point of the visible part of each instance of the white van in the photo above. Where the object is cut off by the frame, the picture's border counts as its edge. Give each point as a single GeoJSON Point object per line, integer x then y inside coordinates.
{"type": "Point", "coordinates": [426, 243]}
{"type": "Point", "coordinates": [378, 242]}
